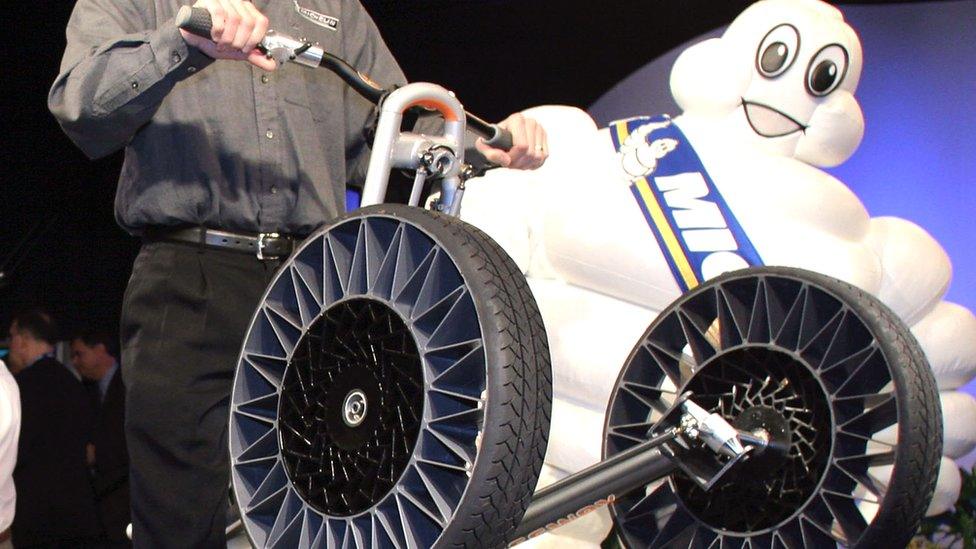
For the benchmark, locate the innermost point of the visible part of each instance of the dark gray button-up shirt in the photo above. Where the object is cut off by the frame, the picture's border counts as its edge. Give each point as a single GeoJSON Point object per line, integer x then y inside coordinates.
{"type": "Point", "coordinates": [220, 144]}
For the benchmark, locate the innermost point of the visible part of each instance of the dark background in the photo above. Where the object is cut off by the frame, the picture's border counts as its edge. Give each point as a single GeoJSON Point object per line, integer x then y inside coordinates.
{"type": "Point", "coordinates": [59, 245]}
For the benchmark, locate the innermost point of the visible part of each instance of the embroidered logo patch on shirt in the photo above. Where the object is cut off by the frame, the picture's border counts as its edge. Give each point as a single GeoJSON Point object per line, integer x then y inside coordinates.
{"type": "Point", "coordinates": [320, 19]}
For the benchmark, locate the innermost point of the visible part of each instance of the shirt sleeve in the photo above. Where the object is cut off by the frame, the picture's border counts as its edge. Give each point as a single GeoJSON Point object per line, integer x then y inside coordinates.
{"type": "Point", "coordinates": [116, 70]}
{"type": "Point", "coordinates": [363, 47]}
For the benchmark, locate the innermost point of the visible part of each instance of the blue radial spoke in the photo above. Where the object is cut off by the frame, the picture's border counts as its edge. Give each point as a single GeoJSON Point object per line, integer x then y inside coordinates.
{"type": "Point", "coordinates": [864, 378]}
{"type": "Point", "coordinates": [816, 536]}
{"type": "Point", "coordinates": [283, 329]}
{"type": "Point", "coordinates": [668, 361]}
{"type": "Point", "coordinates": [739, 297]}
{"type": "Point", "coordinates": [287, 526]}
{"type": "Point", "coordinates": [266, 406]}
{"type": "Point", "coordinates": [678, 531]}
{"type": "Point", "coordinates": [311, 526]}
{"type": "Point", "coordinates": [868, 400]}
{"type": "Point", "coordinates": [268, 421]}
{"type": "Point", "coordinates": [383, 280]}
{"type": "Point", "coordinates": [263, 448]}
{"type": "Point", "coordinates": [702, 537]}
{"type": "Point", "coordinates": [783, 305]}
{"type": "Point", "coordinates": [273, 483]}
{"type": "Point", "coordinates": [270, 368]}
{"type": "Point", "coordinates": [307, 267]}
{"type": "Point", "coordinates": [340, 260]}
{"type": "Point", "coordinates": [441, 280]}
{"type": "Point", "coordinates": [407, 293]}
{"type": "Point", "coordinates": [873, 420]}
{"type": "Point", "coordinates": [650, 396]}
{"type": "Point", "coordinates": [460, 324]}
{"type": "Point", "coordinates": [730, 333]}
{"type": "Point", "coordinates": [362, 530]}
{"type": "Point", "coordinates": [758, 317]}
{"type": "Point", "coordinates": [860, 476]}
{"type": "Point", "coordinates": [381, 237]}
{"type": "Point", "coordinates": [472, 400]}
{"type": "Point", "coordinates": [388, 517]}
{"type": "Point", "coordinates": [656, 506]}
{"type": "Point", "coordinates": [463, 449]}
{"type": "Point", "coordinates": [332, 288]}
{"type": "Point", "coordinates": [823, 336]}
{"type": "Point", "coordinates": [309, 305]}
{"type": "Point", "coordinates": [853, 361]}
{"type": "Point", "coordinates": [432, 315]}
{"type": "Point", "coordinates": [421, 529]}
{"type": "Point", "coordinates": [415, 247]}
{"type": "Point", "coordinates": [465, 377]}
{"type": "Point", "coordinates": [702, 349]}
{"type": "Point", "coordinates": [789, 536]}
{"type": "Point", "coordinates": [357, 273]}
{"type": "Point", "coordinates": [847, 516]}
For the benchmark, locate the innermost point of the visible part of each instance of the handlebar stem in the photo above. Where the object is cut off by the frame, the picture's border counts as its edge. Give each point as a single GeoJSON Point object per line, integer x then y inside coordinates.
{"type": "Point", "coordinates": [388, 139]}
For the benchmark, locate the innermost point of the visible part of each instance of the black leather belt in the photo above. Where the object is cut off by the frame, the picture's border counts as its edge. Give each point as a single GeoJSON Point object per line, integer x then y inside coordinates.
{"type": "Point", "coordinates": [261, 245]}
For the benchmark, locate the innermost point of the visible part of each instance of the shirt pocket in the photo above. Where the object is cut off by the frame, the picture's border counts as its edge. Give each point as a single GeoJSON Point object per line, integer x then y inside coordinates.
{"type": "Point", "coordinates": [317, 90]}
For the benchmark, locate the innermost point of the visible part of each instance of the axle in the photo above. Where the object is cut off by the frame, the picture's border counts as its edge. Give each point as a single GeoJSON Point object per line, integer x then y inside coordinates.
{"type": "Point", "coordinates": [687, 437]}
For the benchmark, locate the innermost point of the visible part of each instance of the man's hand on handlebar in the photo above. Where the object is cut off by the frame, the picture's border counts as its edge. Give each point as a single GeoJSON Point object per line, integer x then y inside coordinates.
{"type": "Point", "coordinates": [238, 27]}
{"type": "Point", "coordinates": [529, 145]}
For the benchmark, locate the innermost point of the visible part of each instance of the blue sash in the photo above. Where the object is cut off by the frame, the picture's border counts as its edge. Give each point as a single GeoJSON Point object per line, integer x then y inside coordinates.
{"type": "Point", "coordinates": [685, 211]}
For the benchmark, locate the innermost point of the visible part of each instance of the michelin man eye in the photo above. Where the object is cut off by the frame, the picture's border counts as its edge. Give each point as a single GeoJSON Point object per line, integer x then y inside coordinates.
{"type": "Point", "coordinates": [826, 70]}
{"type": "Point", "coordinates": [777, 51]}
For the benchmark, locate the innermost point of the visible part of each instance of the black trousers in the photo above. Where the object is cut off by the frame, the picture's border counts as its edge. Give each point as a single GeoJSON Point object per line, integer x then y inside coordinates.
{"type": "Point", "coordinates": [185, 313]}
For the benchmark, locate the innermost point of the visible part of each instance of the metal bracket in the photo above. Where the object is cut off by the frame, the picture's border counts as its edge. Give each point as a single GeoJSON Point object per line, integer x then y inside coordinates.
{"type": "Point", "coordinates": [707, 447]}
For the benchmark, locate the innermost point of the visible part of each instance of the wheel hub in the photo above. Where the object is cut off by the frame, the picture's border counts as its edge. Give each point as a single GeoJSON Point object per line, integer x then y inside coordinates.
{"type": "Point", "coordinates": [760, 389]}
{"type": "Point", "coordinates": [351, 407]}
{"type": "Point", "coordinates": [354, 408]}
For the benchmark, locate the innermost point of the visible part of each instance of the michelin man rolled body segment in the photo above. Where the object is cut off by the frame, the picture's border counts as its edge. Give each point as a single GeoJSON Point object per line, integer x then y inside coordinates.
{"type": "Point", "coordinates": [763, 106]}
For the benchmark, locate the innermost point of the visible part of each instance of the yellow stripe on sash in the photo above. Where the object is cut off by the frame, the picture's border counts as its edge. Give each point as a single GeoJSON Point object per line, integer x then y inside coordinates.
{"type": "Point", "coordinates": [670, 239]}
{"type": "Point", "coordinates": [660, 221]}
{"type": "Point", "coordinates": [622, 132]}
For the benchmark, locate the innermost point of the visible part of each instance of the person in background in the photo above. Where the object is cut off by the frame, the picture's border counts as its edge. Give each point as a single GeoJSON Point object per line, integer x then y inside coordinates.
{"type": "Point", "coordinates": [93, 354]}
{"type": "Point", "coordinates": [55, 502]}
{"type": "Point", "coordinates": [9, 434]}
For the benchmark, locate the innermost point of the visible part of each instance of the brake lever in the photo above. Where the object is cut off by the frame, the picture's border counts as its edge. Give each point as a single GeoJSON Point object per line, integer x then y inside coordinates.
{"type": "Point", "coordinates": [283, 48]}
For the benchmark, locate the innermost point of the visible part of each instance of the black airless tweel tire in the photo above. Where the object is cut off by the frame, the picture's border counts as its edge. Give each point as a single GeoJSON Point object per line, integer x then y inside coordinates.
{"type": "Point", "coordinates": [817, 362]}
{"type": "Point", "coordinates": [393, 390]}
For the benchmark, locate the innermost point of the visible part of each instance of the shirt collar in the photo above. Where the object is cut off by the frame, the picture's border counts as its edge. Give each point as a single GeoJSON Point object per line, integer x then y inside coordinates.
{"type": "Point", "coordinates": [38, 359]}
{"type": "Point", "coordinates": [107, 379]}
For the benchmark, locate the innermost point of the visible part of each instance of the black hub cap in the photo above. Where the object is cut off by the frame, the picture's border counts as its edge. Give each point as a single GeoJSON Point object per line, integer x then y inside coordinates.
{"type": "Point", "coordinates": [760, 388]}
{"type": "Point", "coordinates": [351, 407]}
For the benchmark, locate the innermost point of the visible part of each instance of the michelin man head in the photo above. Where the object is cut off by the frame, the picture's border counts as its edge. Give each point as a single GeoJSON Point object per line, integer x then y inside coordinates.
{"type": "Point", "coordinates": [782, 78]}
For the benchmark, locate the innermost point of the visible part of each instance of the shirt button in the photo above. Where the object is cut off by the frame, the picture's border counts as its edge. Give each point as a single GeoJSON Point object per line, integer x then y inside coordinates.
{"type": "Point", "coordinates": [269, 134]}
{"type": "Point", "coordinates": [177, 57]}
{"type": "Point", "coordinates": [274, 189]}
{"type": "Point", "coordinates": [264, 79]}
{"type": "Point", "coordinates": [191, 69]}
{"type": "Point", "coordinates": [135, 85]}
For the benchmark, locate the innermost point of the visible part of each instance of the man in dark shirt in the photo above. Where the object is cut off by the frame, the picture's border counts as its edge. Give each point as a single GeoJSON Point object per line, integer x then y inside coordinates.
{"type": "Point", "coordinates": [55, 502]}
{"type": "Point", "coordinates": [93, 354]}
{"type": "Point", "coordinates": [214, 145]}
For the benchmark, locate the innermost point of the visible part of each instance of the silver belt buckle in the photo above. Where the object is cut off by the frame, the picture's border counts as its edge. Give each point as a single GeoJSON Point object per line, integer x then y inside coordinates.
{"type": "Point", "coordinates": [261, 244]}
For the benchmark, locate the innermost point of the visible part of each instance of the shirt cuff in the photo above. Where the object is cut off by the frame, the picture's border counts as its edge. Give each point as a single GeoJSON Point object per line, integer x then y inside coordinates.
{"type": "Point", "coordinates": [172, 55]}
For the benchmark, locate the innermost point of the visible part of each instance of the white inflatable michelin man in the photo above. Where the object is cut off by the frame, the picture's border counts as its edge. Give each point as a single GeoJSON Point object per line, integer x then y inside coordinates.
{"type": "Point", "coordinates": [763, 107]}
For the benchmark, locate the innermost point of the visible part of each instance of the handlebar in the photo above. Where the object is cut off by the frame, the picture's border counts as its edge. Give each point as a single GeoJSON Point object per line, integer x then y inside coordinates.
{"type": "Point", "coordinates": [283, 48]}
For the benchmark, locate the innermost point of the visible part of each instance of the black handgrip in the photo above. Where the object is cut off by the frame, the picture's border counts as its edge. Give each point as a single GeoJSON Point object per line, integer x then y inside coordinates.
{"type": "Point", "coordinates": [195, 21]}
{"type": "Point", "coordinates": [501, 140]}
